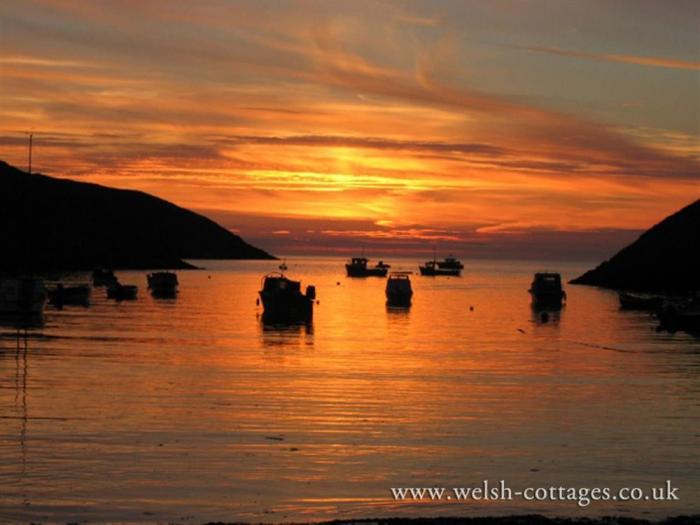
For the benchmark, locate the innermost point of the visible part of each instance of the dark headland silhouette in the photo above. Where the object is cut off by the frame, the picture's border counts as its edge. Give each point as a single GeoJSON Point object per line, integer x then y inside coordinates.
{"type": "Point", "coordinates": [50, 224]}
{"type": "Point", "coordinates": [666, 258]}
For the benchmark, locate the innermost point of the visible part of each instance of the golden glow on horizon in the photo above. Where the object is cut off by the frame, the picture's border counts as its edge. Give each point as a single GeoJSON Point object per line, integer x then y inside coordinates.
{"type": "Point", "coordinates": [369, 112]}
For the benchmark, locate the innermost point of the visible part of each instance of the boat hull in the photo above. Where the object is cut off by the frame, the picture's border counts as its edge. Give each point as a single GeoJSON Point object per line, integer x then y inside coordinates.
{"type": "Point", "coordinates": [399, 298]}
{"type": "Point", "coordinates": [70, 295]}
{"type": "Point", "coordinates": [433, 272]}
{"type": "Point", "coordinates": [122, 292]}
{"type": "Point", "coordinates": [355, 271]}
{"type": "Point", "coordinates": [285, 307]}
{"type": "Point", "coordinates": [547, 299]}
{"type": "Point", "coordinates": [630, 301]}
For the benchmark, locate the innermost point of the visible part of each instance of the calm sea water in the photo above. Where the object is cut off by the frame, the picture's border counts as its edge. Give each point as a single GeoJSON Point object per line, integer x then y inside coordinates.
{"type": "Point", "coordinates": [189, 410]}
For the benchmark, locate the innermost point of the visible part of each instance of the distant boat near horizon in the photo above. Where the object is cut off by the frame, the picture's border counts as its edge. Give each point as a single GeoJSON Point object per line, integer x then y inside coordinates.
{"type": "Point", "coordinates": [69, 295]}
{"type": "Point", "coordinates": [103, 277]}
{"type": "Point", "coordinates": [162, 284]}
{"type": "Point", "coordinates": [450, 263]}
{"type": "Point", "coordinates": [358, 267]}
{"type": "Point", "coordinates": [432, 269]}
{"type": "Point", "coordinates": [122, 292]}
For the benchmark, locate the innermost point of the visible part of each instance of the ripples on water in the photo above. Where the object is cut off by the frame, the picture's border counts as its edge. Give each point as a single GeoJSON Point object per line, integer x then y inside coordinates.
{"type": "Point", "coordinates": [192, 410]}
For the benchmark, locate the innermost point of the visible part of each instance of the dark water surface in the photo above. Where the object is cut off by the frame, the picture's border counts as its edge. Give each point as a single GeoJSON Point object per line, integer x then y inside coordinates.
{"type": "Point", "coordinates": [191, 410]}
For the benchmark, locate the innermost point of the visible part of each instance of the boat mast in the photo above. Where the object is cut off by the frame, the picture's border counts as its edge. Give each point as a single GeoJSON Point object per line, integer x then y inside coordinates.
{"type": "Point", "coordinates": [30, 152]}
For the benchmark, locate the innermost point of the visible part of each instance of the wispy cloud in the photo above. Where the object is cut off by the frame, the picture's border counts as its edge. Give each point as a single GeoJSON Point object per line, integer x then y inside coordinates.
{"type": "Point", "coordinates": [612, 57]}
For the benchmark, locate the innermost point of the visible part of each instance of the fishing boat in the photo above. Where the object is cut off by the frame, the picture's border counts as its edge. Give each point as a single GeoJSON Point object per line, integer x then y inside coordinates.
{"type": "Point", "coordinates": [634, 301]}
{"type": "Point", "coordinates": [359, 267]}
{"type": "Point", "coordinates": [22, 295]}
{"type": "Point", "coordinates": [398, 289]}
{"type": "Point", "coordinates": [450, 263]}
{"type": "Point", "coordinates": [74, 295]}
{"type": "Point", "coordinates": [282, 299]}
{"type": "Point", "coordinates": [122, 292]}
{"type": "Point", "coordinates": [162, 284]}
{"type": "Point", "coordinates": [432, 268]}
{"type": "Point", "coordinates": [546, 290]}
{"type": "Point", "coordinates": [103, 277]}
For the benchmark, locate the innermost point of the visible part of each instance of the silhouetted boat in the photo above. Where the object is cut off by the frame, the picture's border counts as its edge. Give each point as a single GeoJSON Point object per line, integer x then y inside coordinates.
{"type": "Point", "coordinates": [633, 301]}
{"type": "Point", "coordinates": [546, 290]}
{"type": "Point", "coordinates": [432, 268]}
{"type": "Point", "coordinates": [450, 263]}
{"type": "Point", "coordinates": [398, 289]}
{"type": "Point", "coordinates": [103, 277]}
{"type": "Point", "coordinates": [283, 301]}
{"type": "Point", "coordinates": [358, 267]}
{"type": "Point", "coordinates": [122, 292]}
{"type": "Point", "coordinates": [22, 295]}
{"type": "Point", "coordinates": [76, 295]}
{"type": "Point", "coordinates": [162, 284]}
{"type": "Point", "coordinates": [680, 315]}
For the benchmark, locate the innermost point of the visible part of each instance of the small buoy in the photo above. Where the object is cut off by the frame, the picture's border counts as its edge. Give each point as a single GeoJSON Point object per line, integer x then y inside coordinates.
{"type": "Point", "coordinates": [337, 283]}
{"type": "Point", "coordinates": [208, 276]}
{"type": "Point", "coordinates": [471, 308]}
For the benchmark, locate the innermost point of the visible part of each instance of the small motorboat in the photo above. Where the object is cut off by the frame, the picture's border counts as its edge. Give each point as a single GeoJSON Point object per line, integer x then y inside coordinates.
{"type": "Point", "coordinates": [398, 289]}
{"type": "Point", "coordinates": [162, 284]}
{"type": "Point", "coordinates": [283, 301]}
{"type": "Point", "coordinates": [634, 301]}
{"type": "Point", "coordinates": [432, 268]}
{"type": "Point", "coordinates": [450, 263]}
{"type": "Point", "coordinates": [103, 277]}
{"type": "Point", "coordinates": [359, 267]}
{"type": "Point", "coordinates": [74, 295]}
{"type": "Point", "coordinates": [122, 292]}
{"type": "Point", "coordinates": [546, 290]}
{"type": "Point", "coordinates": [22, 295]}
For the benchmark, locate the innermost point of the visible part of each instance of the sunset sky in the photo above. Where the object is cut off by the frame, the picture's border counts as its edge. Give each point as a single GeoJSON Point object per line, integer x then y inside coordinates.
{"type": "Point", "coordinates": [485, 128]}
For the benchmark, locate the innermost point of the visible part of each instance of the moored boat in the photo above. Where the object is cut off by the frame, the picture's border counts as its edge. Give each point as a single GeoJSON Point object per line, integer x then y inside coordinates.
{"type": "Point", "coordinates": [103, 277]}
{"type": "Point", "coordinates": [359, 267]}
{"type": "Point", "coordinates": [122, 292]}
{"type": "Point", "coordinates": [162, 284]}
{"type": "Point", "coordinates": [283, 301]}
{"type": "Point", "coordinates": [76, 295]}
{"type": "Point", "coordinates": [432, 268]}
{"type": "Point", "coordinates": [22, 295]}
{"type": "Point", "coordinates": [398, 289]}
{"type": "Point", "coordinates": [450, 263]}
{"type": "Point", "coordinates": [635, 301]}
{"type": "Point", "coordinates": [680, 315]}
{"type": "Point", "coordinates": [546, 290]}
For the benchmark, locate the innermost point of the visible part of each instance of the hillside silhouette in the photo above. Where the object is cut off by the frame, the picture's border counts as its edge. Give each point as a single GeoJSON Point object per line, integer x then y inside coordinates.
{"type": "Point", "coordinates": [50, 224]}
{"type": "Point", "coordinates": [666, 258]}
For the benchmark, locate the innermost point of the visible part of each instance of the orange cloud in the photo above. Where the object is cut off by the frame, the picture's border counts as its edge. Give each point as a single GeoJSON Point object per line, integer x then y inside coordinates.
{"type": "Point", "coordinates": [625, 59]}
